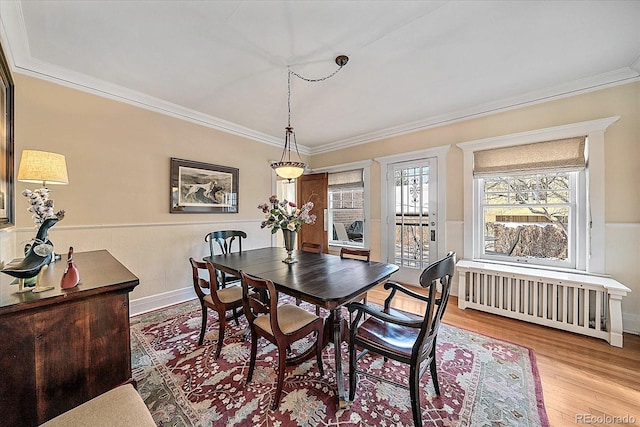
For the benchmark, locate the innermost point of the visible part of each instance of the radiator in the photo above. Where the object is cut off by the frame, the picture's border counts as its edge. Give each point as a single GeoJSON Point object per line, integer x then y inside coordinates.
{"type": "Point", "coordinates": [580, 303]}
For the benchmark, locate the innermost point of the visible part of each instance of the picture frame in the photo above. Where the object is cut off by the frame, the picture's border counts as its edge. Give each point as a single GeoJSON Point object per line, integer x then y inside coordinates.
{"type": "Point", "coordinates": [198, 187]}
{"type": "Point", "coordinates": [7, 188]}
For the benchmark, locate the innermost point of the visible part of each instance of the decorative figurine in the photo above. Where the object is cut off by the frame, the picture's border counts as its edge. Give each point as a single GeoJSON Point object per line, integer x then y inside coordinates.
{"type": "Point", "coordinates": [39, 254]}
{"type": "Point", "coordinates": [71, 276]}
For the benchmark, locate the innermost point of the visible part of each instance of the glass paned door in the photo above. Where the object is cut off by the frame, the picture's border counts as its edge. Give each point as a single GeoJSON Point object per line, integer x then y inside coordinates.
{"type": "Point", "coordinates": [412, 211]}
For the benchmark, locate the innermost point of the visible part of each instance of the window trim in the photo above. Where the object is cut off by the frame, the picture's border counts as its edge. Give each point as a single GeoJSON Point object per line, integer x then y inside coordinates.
{"type": "Point", "coordinates": [590, 254]}
{"type": "Point", "coordinates": [365, 165]}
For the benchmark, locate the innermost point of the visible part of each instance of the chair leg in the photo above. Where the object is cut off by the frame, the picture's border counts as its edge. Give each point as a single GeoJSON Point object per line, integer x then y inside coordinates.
{"type": "Point", "coordinates": [204, 324]}
{"type": "Point", "coordinates": [414, 391]}
{"type": "Point", "coordinates": [352, 370]}
{"type": "Point", "coordinates": [221, 327]}
{"type": "Point", "coordinates": [236, 316]}
{"type": "Point", "coordinates": [282, 359]}
{"type": "Point", "coordinates": [434, 375]}
{"type": "Point", "coordinates": [319, 352]}
{"type": "Point", "coordinates": [252, 357]}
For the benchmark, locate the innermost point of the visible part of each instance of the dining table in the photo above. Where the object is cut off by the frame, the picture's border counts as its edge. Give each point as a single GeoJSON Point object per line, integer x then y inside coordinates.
{"type": "Point", "coordinates": [327, 281]}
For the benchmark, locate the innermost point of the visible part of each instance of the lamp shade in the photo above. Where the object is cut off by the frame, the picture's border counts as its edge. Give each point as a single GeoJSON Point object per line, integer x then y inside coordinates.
{"type": "Point", "coordinates": [289, 170]}
{"type": "Point", "coordinates": [42, 167]}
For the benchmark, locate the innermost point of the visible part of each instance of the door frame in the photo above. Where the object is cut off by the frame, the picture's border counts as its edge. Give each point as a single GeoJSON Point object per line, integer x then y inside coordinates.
{"type": "Point", "coordinates": [437, 154]}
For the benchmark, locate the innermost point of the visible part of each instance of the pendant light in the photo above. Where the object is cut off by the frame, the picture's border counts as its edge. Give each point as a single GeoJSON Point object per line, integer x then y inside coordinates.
{"type": "Point", "coordinates": [286, 168]}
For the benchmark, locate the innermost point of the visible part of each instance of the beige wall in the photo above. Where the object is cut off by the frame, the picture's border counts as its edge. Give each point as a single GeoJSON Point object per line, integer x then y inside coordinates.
{"type": "Point", "coordinates": [622, 145]}
{"type": "Point", "coordinates": [118, 160]}
{"type": "Point", "coordinates": [118, 156]}
{"type": "Point", "coordinates": [622, 170]}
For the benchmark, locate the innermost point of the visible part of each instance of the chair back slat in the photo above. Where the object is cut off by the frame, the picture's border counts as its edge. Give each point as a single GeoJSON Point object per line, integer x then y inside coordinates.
{"type": "Point", "coordinates": [259, 297]}
{"type": "Point", "coordinates": [225, 240]}
{"type": "Point", "coordinates": [200, 283]}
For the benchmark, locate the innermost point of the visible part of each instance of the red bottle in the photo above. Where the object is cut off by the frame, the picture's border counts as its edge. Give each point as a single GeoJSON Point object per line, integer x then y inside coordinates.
{"type": "Point", "coordinates": [71, 276]}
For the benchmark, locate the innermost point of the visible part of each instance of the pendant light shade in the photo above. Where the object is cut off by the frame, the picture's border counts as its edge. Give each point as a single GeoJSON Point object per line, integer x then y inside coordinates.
{"type": "Point", "coordinates": [286, 168]}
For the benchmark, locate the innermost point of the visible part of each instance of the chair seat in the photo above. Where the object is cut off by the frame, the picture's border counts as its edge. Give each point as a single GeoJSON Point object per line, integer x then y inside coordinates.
{"type": "Point", "coordinates": [290, 317]}
{"type": "Point", "coordinates": [388, 336]}
{"type": "Point", "coordinates": [227, 295]}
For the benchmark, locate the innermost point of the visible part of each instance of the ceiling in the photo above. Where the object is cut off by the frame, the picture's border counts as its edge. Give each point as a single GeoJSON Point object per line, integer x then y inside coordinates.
{"type": "Point", "coordinates": [413, 64]}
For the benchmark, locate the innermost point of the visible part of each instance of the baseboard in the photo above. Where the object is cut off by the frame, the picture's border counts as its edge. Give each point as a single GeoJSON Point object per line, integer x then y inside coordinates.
{"type": "Point", "coordinates": [631, 323]}
{"type": "Point", "coordinates": [154, 302]}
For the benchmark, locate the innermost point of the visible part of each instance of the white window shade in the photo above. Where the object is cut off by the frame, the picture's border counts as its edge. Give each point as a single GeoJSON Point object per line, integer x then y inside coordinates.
{"type": "Point", "coordinates": [352, 178]}
{"type": "Point", "coordinates": [560, 154]}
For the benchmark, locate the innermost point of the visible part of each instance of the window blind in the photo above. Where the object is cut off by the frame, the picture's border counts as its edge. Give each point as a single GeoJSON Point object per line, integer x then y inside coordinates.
{"type": "Point", "coordinates": [564, 154]}
{"type": "Point", "coordinates": [352, 178]}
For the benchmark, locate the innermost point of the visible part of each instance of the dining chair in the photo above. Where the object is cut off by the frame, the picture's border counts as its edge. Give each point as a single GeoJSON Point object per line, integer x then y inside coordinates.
{"type": "Point", "coordinates": [403, 337]}
{"type": "Point", "coordinates": [357, 254]}
{"type": "Point", "coordinates": [282, 325]}
{"type": "Point", "coordinates": [316, 248]}
{"type": "Point", "coordinates": [225, 240]}
{"type": "Point", "coordinates": [211, 295]}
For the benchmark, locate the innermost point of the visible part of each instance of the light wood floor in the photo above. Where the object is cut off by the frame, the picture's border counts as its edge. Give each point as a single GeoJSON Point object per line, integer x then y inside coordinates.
{"type": "Point", "coordinates": [579, 375]}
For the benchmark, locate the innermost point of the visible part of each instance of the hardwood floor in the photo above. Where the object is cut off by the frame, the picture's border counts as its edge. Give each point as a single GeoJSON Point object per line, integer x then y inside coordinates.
{"type": "Point", "coordinates": [581, 376]}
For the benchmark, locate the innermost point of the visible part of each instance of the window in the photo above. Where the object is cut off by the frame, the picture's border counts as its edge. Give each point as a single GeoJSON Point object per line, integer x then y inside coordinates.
{"type": "Point", "coordinates": [346, 208]}
{"type": "Point", "coordinates": [526, 197]}
{"type": "Point", "coordinates": [529, 217]}
{"type": "Point", "coordinates": [521, 194]}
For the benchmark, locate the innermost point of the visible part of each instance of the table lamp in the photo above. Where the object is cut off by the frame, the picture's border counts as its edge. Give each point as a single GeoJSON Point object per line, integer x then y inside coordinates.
{"type": "Point", "coordinates": [42, 167]}
{"type": "Point", "coordinates": [46, 168]}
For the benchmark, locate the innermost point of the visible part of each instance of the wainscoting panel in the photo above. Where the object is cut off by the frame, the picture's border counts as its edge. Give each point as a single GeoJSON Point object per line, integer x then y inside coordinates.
{"type": "Point", "coordinates": [157, 253]}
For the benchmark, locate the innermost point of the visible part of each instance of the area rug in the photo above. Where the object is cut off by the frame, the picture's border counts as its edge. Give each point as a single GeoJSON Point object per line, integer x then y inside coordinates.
{"type": "Point", "coordinates": [483, 381]}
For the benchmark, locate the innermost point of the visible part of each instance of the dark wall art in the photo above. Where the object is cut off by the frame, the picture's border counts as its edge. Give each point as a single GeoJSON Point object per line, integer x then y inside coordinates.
{"type": "Point", "coordinates": [6, 144]}
{"type": "Point", "coordinates": [198, 187]}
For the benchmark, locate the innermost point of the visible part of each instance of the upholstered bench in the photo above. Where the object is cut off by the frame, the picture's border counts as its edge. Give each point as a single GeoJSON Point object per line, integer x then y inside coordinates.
{"type": "Point", "coordinates": [121, 406]}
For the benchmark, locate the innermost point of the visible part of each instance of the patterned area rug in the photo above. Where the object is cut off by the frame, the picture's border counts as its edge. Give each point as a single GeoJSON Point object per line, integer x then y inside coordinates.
{"type": "Point", "coordinates": [483, 381]}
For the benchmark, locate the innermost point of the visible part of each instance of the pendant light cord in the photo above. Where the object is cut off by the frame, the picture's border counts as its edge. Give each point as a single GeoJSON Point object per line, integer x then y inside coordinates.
{"type": "Point", "coordinates": [341, 61]}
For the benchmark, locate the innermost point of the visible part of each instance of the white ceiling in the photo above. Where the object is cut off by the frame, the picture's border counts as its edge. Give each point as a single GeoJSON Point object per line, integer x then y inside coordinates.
{"type": "Point", "coordinates": [413, 64]}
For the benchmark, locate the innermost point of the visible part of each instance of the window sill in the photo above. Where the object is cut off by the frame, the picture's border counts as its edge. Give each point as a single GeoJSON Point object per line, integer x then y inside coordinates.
{"type": "Point", "coordinates": [337, 245]}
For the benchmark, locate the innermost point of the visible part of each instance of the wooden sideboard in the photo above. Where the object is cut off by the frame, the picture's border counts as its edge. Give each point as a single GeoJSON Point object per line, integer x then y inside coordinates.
{"type": "Point", "coordinates": [61, 348]}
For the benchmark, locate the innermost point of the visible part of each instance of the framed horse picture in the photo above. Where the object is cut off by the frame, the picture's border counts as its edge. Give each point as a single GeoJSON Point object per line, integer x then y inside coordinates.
{"type": "Point", "coordinates": [198, 187]}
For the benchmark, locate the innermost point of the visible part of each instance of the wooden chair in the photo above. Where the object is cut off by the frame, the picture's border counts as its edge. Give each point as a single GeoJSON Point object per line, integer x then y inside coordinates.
{"type": "Point", "coordinates": [281, 325]}
{"type": "Point", "coordinates": [316, 248]}
{"type": "Point", "coordinates": [225, 240]}
{"type": "Point", "coordinates": [361, 255]}
{"type": "Point", "coordinates": [217, 298]}
{"type": "Point", "coordinates": [404, 338]}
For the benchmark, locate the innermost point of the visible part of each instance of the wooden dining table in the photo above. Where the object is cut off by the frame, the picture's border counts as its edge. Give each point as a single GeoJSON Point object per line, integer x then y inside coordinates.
{"type": "Point", "coordinates": [327, 281]}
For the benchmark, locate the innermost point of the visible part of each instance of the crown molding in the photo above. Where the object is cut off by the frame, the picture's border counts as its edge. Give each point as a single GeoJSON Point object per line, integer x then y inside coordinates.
{"type": "Point", "coordinates": [20, 60]}
{"type": "Point", "coordinates": [585, 85]}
